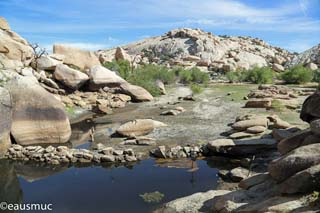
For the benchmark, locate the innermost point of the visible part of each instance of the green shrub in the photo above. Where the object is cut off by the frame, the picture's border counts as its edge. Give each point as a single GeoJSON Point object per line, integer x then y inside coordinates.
{"type": "Point", "coordinates": [194, 75]}
{"type": "Point", "coordinates": [123, 67]}
{"type": "Point", "coordinates": [277, 105]}
{"type": "Point", "coordinates": [196, 88]}
{"type": "Point", "coordinates": [297, 75]}
{"type": "Point", "coordinates": [316, 76]}
{"type": "Point", "coordinates": [156, 72]}
{"type": "Point", "coordinates": [236, 76]}
{"type": "Point", "coordinates": [259, 75]}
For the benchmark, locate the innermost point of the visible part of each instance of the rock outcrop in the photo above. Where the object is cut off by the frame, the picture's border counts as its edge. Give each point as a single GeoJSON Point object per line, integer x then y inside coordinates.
{"type": "Point", "coordinates": [194, 47]}
{"type": "Point", "coordinates": [14, 50]}
{"type": "Point", "coordinates": [309, 58]}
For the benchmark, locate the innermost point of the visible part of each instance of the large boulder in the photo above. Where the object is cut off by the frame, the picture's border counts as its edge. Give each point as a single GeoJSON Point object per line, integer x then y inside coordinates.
{"type": "Point", "coordinates": [46, 62]}
{"type": "Point", "coordinates": [139, 127]}
{"type": "Point", "coordinates": [307, 180]}
{"type": "Point", "coordinates": [71, 78]}
{"type": "Point", "coordinates": [121, 54]}
{"type": "Point", "coordinates": [252, 59]}
{"type": "Point", "coordinates": [198, 202]}
{"type": "Point", "coordinates": [278, 68]}
{"type": "Point", "coordinates": [80, 58]}
{"type": "Point", "coordinates": [37, 116]}
{"type": "Point", "coordinates": [102, 77]}
{"type": "Point", "coordinates": [5, 121]}
{"type": "Point", "coordinates": [311, 108]}
{"type": "Point", "coordinates": [292, 142]}
{"type": "Point", "coordinates": [295, 161]}
{"type": "Point", "coordinates": [241, 147]}
{"type": "Point", "coordinates": [136, 93]}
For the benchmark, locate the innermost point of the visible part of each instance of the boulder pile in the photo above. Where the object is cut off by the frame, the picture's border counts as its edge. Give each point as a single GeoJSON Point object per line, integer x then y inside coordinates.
{"type": "Point", "coordinates": [194, 47]}
{"type": "Point", "coordinates": [36, 88]}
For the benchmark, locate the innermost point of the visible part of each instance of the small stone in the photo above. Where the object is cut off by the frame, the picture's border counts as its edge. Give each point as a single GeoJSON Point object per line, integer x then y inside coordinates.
{"type": "Point", "coordinates": [129, 142]}
{"type": "Point", "coordinates": [50, 149]}
{"type": "Point", "coordinates": [170, 112]}
{"type": "Point", "coordinates": [107, 158]}
{"type": "Point", "coordinates": [107, 151]}
{"type": "Point", "coordinates": [117, 152]}
{"type": "Point", "coordinates": [159, 152]}
{"type": "Point", "coordinates": [256, 129]}
{"type": "Point", "coordinates": [87, 156]}
{"type": "Point", "coordinates": [128, 152]}
{"type": "Point", "coordinates": [130, 158]}
{"type": "Point", "coordinates": [240, 135]}
{"type": "Point", "coordinates": [186, 149]}
{"type": "Point", "coordinates": [239, 173]}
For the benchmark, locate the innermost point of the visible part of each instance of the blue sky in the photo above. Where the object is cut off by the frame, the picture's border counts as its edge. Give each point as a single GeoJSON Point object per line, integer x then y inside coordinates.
{"type": "Point", "coordinates": [99, 24]}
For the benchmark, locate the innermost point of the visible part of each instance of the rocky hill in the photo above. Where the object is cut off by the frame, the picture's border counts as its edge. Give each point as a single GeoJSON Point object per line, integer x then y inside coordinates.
{"type": "Point", "coordinates": [193, 47]}
{"type": "Point", "coordinates": [309, 58]}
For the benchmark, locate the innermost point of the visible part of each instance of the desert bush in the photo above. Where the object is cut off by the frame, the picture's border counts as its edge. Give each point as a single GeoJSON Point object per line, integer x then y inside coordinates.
{"type": "Point", "coordinates": [194, 75]}
{"type": "Point", "coordinates": [316, 76]}
{"type": "Point", "coordinates": [236, 76]}
{"type": "Point", "coordinates": [277, 105]}
{"type": "Point", "coordinates": [122, 67]}
{"type": "Point", "coordinates": [259, 75]}
{"type": "Point", "coordinates": [196, 88]}
{"type": "Point", "coordinates": [297, 75]}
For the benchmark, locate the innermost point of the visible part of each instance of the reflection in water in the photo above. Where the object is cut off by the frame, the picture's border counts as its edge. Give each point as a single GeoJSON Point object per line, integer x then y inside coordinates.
{"type": "Point", "coordinates": [10, 190]}
{"type": "Point", "coordinates": [33, 171]}
{"type": "Point", "coordinates": [104, 188]}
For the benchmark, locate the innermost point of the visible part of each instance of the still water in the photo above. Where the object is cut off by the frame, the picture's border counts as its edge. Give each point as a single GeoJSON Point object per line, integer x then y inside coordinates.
{"type": "Point", "coordinates": [103, 188]}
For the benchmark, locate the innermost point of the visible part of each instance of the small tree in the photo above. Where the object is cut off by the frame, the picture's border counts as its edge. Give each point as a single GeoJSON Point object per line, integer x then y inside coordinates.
{"type": "Point", "coordinates": [38, 52]}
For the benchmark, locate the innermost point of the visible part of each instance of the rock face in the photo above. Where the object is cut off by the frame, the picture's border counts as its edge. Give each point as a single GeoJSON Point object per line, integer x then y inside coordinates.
{"type": "Point", "coordinates": [102, 77]}
{"type": "Point", "coordinates": [194, 47]}
{"type": "Point", "coordinates": [71, 78]}
{"type": "Point", "coordinates": [76, 57]}
{"type": "Point", "coordinates": [37, 116]}
{"type": "Point", "coordinates": [136, 93]}
{"type": "Point", "coordinates": [14, 50]}
{"type": "Point", "coordinates": [139, 127]}
{"type": "Point", "coordinates": [5, 121]}
{"type": "Point", "coordinates": [309, 56]}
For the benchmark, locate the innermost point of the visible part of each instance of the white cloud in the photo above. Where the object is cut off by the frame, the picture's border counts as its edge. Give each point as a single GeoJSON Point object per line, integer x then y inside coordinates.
{"type": "Point", "coordinates": [300, 45]}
